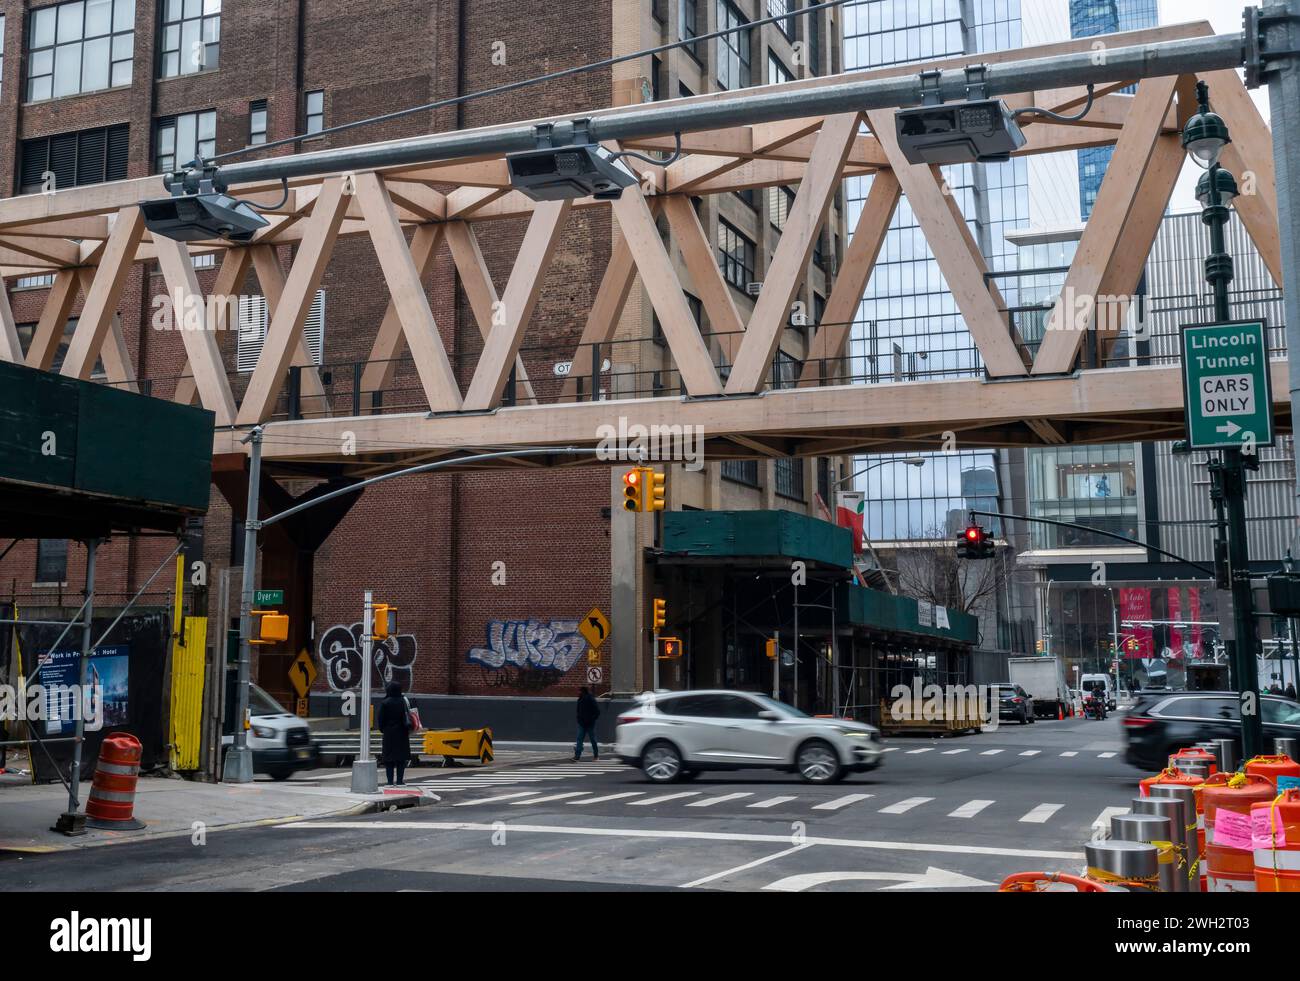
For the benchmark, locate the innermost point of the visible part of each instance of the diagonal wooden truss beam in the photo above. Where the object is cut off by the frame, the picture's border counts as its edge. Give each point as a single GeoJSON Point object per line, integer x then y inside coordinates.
{"type": "Point", "coordinates": [860, 259]}
{"type": "Point", "coordinates": [682, 333]}
{"type": "Point", "coordinates": [1103, 234]}
{"type": "Point", "coordinates": [1250, 158]}
{"type": "Point", "coordinates": [485, 305]}
{"type": "Point", "coordinates": [116, 357]}
{"type": "Point", "coordinates": [522, 292]}
{"type": "Point", "coordinates": [790, 263]}
{"type": "Point", "coordinates": [271, 278]}
{"type": "Point", "coordinates": [96, 321]}
{"type": "Point", "coordinates": [381, 366]}
{"type": "Point", "coordinates": [408, 297]}
{"type": "Point", "coordinates": [285, 330]}
{"type": "Point", "coordinates": [225, 290]}
{"type": "Point", "coordinates": [11, 349]}
{"type": "Point", "coordinates": [200, 339]}
{"type": "Point", "coordinates": [705, 273]}
{"type": "Point", "coordinates": [606, 309]}
{"type": "Point", "coordinates": [957, 253]}
{"type": "Point", "coordinates": [54, 320]}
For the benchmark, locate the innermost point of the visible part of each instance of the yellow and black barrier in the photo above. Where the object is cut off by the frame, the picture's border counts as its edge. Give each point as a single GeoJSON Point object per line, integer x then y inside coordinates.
{"type": "Point", "coordinates": [460, 744]}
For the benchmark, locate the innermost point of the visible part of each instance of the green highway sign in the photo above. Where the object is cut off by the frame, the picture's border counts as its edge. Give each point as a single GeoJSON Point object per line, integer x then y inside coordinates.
{"type": "Point", "coordinates": [1227, 391]}
{"type": "Point", "coordinates": [268, 597]}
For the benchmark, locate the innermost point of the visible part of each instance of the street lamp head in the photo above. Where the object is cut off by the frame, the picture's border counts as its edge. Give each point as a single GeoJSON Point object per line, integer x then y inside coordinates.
{"type": "Point", "coordinates": [917, 462]}
{"type": "Point", "coordinates": [1223, 181]}
{"type": "Point", "coordinates": [1206, 134]}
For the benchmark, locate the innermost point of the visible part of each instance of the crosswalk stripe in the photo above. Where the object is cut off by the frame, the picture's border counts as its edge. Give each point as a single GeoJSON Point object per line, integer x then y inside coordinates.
{"type": "Point", "coordinates": [601, 800]}
{"type": "Point", "coordinates": [954, 752]}
{"type": "Point", "coordinates": [1071, 753]}
{"type": "Point", "coordinates": [710, 801]}
{"type": "Point", "coordinates": [903, 806]}
{"type": "Point", "coordinates": [771, 802]}
{"type": "Point", "coordinates": [660, 800]}
{"type": "Point", "coordinates": [1101, 826]}
{"type": "Point", "coordinates": [927, 749]}
{"type": "Point", "coordinates": [890, 749]}
{"type": "Point", "coordinates": [838, 802]}
{"type": "Point", "coordinates": [493, 800]}
{"type": "Point", "coordinates": [550, 797]}
{"type": "Point", "coordinates": [1106, 756]}
{"type": "Point", "coordinates": [1041, 814]}
{"type": "Point", "coordinates": [1031, 752]}
{"type": "Point", "coordinates": [970, 808]}
{"type": "Point", "coordinates": [991, 752]}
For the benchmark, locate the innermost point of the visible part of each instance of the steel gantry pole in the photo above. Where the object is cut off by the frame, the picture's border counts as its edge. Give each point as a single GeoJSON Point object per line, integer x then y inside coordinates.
{"type": "Point", "coordinates": [238, 767]}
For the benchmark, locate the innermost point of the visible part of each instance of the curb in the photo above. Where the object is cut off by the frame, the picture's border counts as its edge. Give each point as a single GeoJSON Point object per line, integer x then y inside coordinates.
{"type": "Point", "coordinates": [352, 810]}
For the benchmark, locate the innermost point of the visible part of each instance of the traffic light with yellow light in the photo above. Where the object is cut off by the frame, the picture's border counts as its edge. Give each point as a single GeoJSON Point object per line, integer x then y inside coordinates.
{"type": "Point", "coordinates": [634, 489]}
{"type": "Point", "coordinates": [384, 621]}
{"type": "Point", "coordinates": [1038, 646]}
{"type": "Point", "coordinates": [660, 613]}
{"type": "Point", "coordinates": [657, 488]}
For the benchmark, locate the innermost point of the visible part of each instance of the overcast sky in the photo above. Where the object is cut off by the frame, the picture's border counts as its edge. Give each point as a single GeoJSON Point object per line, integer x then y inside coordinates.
{"type": "Point", "coordinates": [1225, 16]}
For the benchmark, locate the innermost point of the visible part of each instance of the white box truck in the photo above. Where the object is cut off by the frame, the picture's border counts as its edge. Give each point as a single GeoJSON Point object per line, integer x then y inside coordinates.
{"type": "Point", "coordinates": [1044, 679]}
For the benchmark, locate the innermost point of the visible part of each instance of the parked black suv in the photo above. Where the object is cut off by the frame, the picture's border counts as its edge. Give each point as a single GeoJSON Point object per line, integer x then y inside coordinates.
{"type": "Point", "coordinates": [1163, 722]}
{"type": "Point", "coordinates": [1014, 703]}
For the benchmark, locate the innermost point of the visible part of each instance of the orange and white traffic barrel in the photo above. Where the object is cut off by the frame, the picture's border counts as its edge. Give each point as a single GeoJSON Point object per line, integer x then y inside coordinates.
{"type": "Point", "coordinates": [1229, 849]}
{"type": "Point", "coordinates": [1273, 767]}
{"type": "Point", "coordinates": [112, 792]}
{"type": "Point", "coordinates": [1053, 882]}
{"type": "Point", "coordinates": [1195, 756]}
{"type": "Point", "coordinates": [1276, 830]}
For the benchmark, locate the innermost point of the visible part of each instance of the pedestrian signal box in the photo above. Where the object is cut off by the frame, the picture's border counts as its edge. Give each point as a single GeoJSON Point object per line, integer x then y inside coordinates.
{"type": "Point", "coordinates": [270, 627]}
{"type": "Point", "coordinates": [384, 621]}
{"type": "Point", "coordinates": [669, 648]}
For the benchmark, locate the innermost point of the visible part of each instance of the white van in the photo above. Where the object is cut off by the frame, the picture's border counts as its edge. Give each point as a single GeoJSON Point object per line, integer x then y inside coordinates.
{"type": "Point", "coordinates": [281, 742]}
{"type": "Point", "coordinates": [1101, 683]}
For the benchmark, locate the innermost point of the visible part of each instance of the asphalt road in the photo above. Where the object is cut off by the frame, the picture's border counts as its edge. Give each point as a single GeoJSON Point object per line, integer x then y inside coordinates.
{"type": "Point", "coordinates": [956, 813]}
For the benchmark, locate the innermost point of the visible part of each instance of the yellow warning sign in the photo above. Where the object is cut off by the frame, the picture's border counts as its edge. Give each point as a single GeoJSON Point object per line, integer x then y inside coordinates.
{"type": "Point", "coordinates": [594, 627]}
{"type": "Point", "coordinates": [302, 673]}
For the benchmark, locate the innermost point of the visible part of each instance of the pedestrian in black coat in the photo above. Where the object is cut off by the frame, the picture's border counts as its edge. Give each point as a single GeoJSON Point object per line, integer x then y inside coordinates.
{"type": "Point", "coordinates": [394, 722]}
{"type": "Point", "coordinates": [588, 713]}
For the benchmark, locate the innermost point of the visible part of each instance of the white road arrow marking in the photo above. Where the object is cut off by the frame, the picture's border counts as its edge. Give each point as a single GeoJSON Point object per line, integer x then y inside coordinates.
{"type": "Point", "coordinates": [1229, 429]}
{"type": "Point", "coordinates": [931, 878]}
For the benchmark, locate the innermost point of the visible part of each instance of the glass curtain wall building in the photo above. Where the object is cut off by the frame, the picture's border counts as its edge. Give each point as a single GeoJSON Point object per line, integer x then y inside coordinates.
{"type": "Point", "coordinates": [908, 326]}
{"type": "Point", "coordinates": [1089, 18]}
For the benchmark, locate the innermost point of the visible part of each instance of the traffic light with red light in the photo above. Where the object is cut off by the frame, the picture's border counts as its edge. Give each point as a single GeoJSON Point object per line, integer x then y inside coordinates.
{"type": "Point", "coordinates": [975, 543]}
{"type": "Point", "coordinates": [634, 489]}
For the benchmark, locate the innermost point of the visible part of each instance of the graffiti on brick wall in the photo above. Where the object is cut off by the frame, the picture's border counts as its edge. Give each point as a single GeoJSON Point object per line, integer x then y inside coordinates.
{"type": "Point", "coordinates": [392, 659]}
{"type": "Point", "coordinates": [550, 647]}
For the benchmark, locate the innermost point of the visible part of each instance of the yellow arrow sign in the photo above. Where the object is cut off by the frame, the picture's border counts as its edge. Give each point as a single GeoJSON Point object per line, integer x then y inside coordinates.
{"type": "Point", "coordinates": [302, 673]}
{"type": "Point", "coordinates": [594, 627]}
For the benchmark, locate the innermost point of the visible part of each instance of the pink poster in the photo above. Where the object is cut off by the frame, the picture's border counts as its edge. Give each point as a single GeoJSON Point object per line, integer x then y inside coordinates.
{"type": "Point", "coordinates": [1174, 599]}
{"type": "Point", "coordinates": [1135, 604]}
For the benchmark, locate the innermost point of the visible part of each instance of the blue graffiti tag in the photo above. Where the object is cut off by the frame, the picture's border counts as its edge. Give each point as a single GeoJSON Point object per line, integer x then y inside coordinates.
{"type": "Point", "coordinates": [553, 645]}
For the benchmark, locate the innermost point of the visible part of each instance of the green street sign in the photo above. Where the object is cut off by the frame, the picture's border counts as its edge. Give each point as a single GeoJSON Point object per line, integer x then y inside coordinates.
{"type": "Point", "coordinates": [1227, 390]}
{"type": "Point", "coordinates": [268, 597]}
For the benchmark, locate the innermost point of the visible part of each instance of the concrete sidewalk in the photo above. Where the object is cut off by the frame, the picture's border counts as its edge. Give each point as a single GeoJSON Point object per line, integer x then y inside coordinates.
{"type": "Point", "coordinates": [172, 808]}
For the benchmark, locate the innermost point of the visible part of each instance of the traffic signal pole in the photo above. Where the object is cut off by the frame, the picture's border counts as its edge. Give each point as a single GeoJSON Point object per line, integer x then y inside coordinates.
{"type": "Point", "coordinates": [238, 767]}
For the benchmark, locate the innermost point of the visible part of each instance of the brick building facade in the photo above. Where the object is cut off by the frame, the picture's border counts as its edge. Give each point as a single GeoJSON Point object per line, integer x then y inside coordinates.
{"type": "Point", "coordinates": [490, 571]}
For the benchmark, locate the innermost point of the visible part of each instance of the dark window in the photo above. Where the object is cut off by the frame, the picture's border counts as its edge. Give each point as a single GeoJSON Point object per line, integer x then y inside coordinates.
{"type": "Point", "coordinates": [659, 9]}
{"type": "Point", "coordinates": [741, 472]}
{"type": "Point", "coordinates": [684, 93]}
{"type": "Point", "coordinates": [1276, 712]}
{"type": "Point", "coordinates": [789, 479]}
{"type": "Point", "coordinates": [735, 255]}
{"type": "Point", "coordinates": [737, 707]}
{"type": "Point", "coordinates": [27, 331]}
{"type": "Point", "coordinates": [814, 42]}
{"type": "Point", "coordinates": [84, 46]}
{"type": "Point", "coordinates": [689, 26]}
{"type": "Point", "coordinates": [314, 104]}
{"type": "Point", "coordinates": [733, 49]}
{"type": "Point", "coordinates": [74, 159]}
{"type": "Point", "coordinates": [257, 122]}
{"type": "Point", "coordinates": [695, 706]}
{"type": "Point", "coordinates": [749, 196]}
{"type": "Point", "coordinates": [824, 477]}
{"type": "Point", "coordinates": [1200, 708]}
{"type": "Point", "coordinates": [180, 139]}
{"type": "Point", "coordinates": [52, 560]}
{"type": "Point", "coordinates": [191, 37]}
{"type": "Point", "coordinates": [656, 70]}
{"type": "Point", "coordinates": [779, 202]}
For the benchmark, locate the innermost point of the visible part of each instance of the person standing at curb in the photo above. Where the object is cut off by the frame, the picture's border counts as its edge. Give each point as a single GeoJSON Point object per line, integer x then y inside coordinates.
{"type": "Point", "coordinates": [588, 713]}
{"type": "Point", "coordinates": [394, 722]}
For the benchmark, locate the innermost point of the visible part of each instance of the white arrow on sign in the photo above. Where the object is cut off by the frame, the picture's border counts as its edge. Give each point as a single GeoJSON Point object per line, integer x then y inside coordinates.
{"type": "Point", "coordinates": [931, 878]}
{"type": "Point", "coordinates": [1229, 429]}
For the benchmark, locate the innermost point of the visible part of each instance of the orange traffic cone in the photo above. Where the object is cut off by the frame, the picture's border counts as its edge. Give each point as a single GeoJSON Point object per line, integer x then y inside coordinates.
{"type": "Point", "coordinates": [1060, 713]}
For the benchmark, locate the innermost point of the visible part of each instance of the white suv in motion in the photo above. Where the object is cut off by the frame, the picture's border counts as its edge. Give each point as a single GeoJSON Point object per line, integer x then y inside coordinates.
{"type": "Point", "coordinates": [673, 735]}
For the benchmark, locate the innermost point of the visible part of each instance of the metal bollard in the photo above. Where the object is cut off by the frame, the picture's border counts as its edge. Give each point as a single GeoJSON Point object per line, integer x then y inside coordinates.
{"type": "Point", "coordinates": [1175, 812]}
{"type": "Point", "coordinates": [1287, 746]}
{"type": "Point", "coordinates": [1195, 770]}
{"type": "Point", "coordinates": [1128, 861]}
{"type": "Point", "coordinates": [1191, 831]}
{"type": "Point", "coordinates": [1150, 829]}
{"type": "Point", "coordinates": [1226, 751]}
